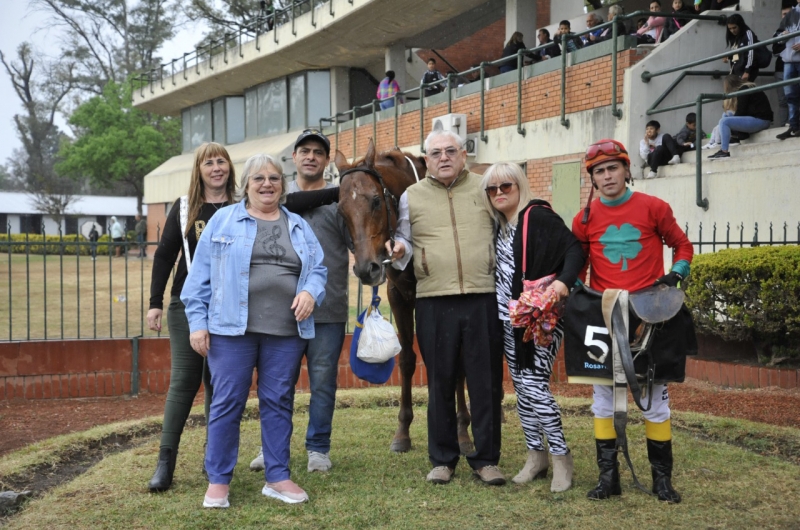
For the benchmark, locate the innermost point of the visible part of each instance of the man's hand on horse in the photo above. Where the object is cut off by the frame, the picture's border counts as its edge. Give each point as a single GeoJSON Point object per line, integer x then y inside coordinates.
{"type": "Point", "coordinates": [397, 252]}
{"type": "Point", "coordinates": [672, 279]}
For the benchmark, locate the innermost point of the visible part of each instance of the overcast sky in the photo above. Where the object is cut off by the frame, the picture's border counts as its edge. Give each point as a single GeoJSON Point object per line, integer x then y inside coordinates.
{"type": "Point", "coordinates": [22, 24]}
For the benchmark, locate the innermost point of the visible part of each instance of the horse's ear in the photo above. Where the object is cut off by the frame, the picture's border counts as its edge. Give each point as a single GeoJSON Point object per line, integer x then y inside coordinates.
{"type": "Point", "coordinates": [341, 161]}
{"type": "Point", "coordinates": [369, 160]}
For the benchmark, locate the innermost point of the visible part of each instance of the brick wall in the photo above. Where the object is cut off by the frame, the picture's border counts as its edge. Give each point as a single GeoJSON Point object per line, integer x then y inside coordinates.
{"type": "Point", "coordinates": [588, 87]}
{"type": "Point", "coordinates": [485, 45]}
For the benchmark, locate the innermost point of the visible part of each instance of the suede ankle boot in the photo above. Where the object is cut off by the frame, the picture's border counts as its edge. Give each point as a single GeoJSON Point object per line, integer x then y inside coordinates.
{"type": "Point", "coordinates": [535, 467]}
{"type": "Point", "coordinates": [562, 473]}
{"type": "Point", "coordinates": [660, 456]}
{"type": "Point", "coordinates": [608, 484]}
{"type": "Point", "coordinates": [162, 478]}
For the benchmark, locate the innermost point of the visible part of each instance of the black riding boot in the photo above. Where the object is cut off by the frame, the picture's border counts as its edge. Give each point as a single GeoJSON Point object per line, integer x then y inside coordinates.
{"type": "Point", "coordinates": [162, 478]}
{"type": "Point", "coordinates": [608, 484]}
{"type": "Point", "coordinates": [660, 456]}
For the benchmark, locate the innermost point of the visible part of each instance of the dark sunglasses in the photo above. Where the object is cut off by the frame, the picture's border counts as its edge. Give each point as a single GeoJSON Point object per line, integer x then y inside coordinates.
{"type": "Point", "coordinates": [606, 148]}
{"type": "Point", "coordinates": [505, 187]}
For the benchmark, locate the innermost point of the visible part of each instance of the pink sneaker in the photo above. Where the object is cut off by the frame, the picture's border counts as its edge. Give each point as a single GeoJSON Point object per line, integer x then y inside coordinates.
{"type": "Point", "coordinates": [286, 491]}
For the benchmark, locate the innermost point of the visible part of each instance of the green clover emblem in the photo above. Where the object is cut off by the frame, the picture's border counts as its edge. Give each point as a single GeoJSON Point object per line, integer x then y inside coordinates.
{"type": "Point", "coordinates": [621, 244]}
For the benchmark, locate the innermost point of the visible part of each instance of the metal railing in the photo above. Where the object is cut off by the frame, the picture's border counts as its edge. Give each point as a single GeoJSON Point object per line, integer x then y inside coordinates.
{"type": "Point", "coordinates": [703, 98]}
{"type": "Point", "coordinates": [480, 70]}
{"type": "Point", "coordinates": [229, 42]}
{"type": "Point", "coordinates": [734, 237]}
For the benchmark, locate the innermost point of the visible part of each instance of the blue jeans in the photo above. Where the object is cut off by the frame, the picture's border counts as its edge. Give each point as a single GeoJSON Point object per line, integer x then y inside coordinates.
{"type": "Point", "coordinates": [746, 124]}
{"type": "Point", "coordinates": [322, 359]}
{"type": "Point", "coordinates": [231, 360]}
{"type": "Point", "coordinates": [387, 104]}
{"type": "Point", "coordinates": [791, 71]}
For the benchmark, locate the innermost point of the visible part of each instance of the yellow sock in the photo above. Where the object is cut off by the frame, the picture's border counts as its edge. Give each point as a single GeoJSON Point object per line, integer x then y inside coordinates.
{"type": "Point", "coordinates": [659, 432]}
{"type": "Point", "coordinates": [604, 429]}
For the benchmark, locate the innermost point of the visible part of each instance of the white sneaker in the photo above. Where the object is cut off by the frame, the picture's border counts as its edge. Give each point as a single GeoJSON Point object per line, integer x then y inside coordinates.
{"type": "Point", "coordinates": [258, 462]}
{"type": "Point", "coordinates": [651, 175]}
{"type": "Point", "coordinates": [318, 462]}
{"type": "Point", "coordinates": [208, 502]}
{"type": "Point", "coordinates": [711, 145]}
{"type": "Point", "coordinates": [674, 160]}
{"type": "Point", "coordinates": [285, 496]}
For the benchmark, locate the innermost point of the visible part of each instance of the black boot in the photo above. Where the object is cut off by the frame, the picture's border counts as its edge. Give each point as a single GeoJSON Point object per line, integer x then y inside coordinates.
{"type": "Point", "coordinates": [608, 484]}
{"type": "Point", "coordinates": [660, 456]}
{"type": "Point", "coordinates": [162, 478]}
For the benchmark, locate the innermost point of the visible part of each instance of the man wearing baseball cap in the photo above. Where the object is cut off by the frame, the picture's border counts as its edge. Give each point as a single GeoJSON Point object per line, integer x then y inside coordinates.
{"type": "Point", "coordinates": [623, 234]}
{"type": "Point", "coordinates": [311, 157]}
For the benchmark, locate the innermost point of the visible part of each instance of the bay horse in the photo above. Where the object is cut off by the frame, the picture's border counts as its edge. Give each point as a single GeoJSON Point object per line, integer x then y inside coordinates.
{"type": "Point", "coordinates": [369, 192]}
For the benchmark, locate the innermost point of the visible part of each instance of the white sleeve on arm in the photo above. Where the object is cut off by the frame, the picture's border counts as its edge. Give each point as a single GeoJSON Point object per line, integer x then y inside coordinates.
{"type": "Point", "coordinates": [644, 149]}
{"type": "Point", "coordinates": [403, 233]}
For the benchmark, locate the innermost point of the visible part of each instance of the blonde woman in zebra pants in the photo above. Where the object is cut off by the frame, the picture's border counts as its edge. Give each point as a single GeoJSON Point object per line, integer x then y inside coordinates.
{"type": "Point", "coordinates": [551, 248]}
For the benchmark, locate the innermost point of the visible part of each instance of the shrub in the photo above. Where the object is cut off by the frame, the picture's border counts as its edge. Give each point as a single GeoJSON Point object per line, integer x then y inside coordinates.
{"type": "Point", "coordinates": [52, 244]}
{"type": "Point", "coordinates": [749, 294]}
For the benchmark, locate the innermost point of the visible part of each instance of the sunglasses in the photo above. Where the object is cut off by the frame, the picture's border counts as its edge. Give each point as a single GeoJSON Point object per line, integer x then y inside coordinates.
{"type": "Point", "coordinates": [605, 148]}
{"type": "Point", "coordinates": [505, 187]}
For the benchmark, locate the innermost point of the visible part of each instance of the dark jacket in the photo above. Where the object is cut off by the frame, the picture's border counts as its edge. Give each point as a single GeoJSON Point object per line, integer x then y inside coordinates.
{"type": "Point", "coordinates": [686, 135]}
{"type": "Point", "coordinates": [673, 25]}
{"type": "Point", "coordinates": [755, 105]}
{"type": "Point", "coordinates": [430, 77]}
{"type": "Point", "coordinates": [551, 248]}
{"type": "Point", "coordinates": [563, 40]}
{"type": "Point", "coordinates": [608, 33]}
{"type": "Point", "coordinates": [551, 50]}
{"type": "Point", "coordinates": [746, 61]}
{"type": "Point", "coordinates": [510, 50]}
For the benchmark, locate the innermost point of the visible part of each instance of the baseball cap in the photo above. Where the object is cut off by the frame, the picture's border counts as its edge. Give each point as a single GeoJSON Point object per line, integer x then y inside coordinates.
{"type": "Point", "coordinates": [314, 134]}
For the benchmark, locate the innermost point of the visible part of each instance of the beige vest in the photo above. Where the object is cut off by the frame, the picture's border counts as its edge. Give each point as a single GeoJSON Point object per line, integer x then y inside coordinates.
{"type": "Point", "coordinates": [451, 233]}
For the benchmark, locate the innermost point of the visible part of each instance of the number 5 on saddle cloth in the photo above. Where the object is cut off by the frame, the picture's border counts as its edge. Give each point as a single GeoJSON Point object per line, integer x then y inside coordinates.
{"type": "Point", "coordinates": [623, 340]}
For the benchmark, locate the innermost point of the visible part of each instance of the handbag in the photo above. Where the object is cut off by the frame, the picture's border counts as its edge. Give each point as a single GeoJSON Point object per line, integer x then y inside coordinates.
{"type": "Point", "coordinates": [535, 310]}
{"type": "Point", "coordinates": [375, 373]}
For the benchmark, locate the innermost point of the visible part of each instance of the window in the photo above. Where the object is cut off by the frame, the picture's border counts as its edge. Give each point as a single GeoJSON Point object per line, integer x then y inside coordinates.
{"type": "Point", "coordinates": [218, 108]}
{"type": "Point", "coordinates": [272, 108]}
{"type": "Point", "coordinates": [251, 113]}
{"type": "Point", "coordinates": [4, 223]}
{"type": "Point", "coordinates": [297, 102]}
{"type": "Point", "coordinates": [318, 91]}
{"type": "Point", "coordinates": [196, 123]}
{"type": "Point", "coordinates": [70, 225]}
{"type": "Point", "coordinates": [30, 224]}
{"type": "Point", "coordinates": [234, 120]}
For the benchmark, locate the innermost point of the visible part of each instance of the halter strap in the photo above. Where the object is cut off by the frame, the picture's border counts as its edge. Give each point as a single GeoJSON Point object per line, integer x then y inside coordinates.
{"type": "Point", "coordinates": [387, 195]}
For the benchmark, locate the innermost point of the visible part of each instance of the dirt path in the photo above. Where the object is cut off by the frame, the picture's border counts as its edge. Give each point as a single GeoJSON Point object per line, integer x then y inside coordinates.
{"type": "Point", "coordinates": [25, 422]}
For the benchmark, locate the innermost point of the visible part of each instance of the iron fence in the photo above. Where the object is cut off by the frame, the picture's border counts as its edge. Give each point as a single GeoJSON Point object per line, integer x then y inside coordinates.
{"type": "Point", "coordinates": [66, 287]}
{"type": "Point", "coordinates": [735, 237]}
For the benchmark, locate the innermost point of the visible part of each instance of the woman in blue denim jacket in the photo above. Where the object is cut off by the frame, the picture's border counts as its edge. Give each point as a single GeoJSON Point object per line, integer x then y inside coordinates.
{"type": "Point", "coordinates": [256, 275]}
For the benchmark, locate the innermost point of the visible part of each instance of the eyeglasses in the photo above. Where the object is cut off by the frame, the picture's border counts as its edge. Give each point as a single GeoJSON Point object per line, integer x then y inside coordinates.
{"type": "Point", "coordinates": [259, 179]}
{"type": "Point", "coordinates": [451, 152]}
{"type": "Point", "coordinates": [505, 187]}
{"type": "Point", "coordinates": [606, 148]}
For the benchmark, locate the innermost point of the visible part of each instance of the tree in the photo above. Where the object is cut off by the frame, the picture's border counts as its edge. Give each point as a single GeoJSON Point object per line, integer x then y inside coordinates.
{"type": "Point", "coordinates": [234, 15]}
{"type": "Point", "coordinates": [41, 87]}
{"type": "Point", "coordinates": [117, 143]}
{"type": "Point", "coordinates": [107, 39]}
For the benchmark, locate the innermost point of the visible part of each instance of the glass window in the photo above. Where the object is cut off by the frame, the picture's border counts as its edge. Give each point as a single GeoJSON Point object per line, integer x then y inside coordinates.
{"type": "Point", "coordinates": [272, 108]}
{"type": "Point", "coordinates": [186, 129]}
{"type": "Point", "coordinates": [251, 113]}
{"type": "Point", "coordinates": [319, 96]}
{"type": "Point", "coordinates": [297, 102]}
{"type": "Point", "coordinates": [219, 121]}
{"type": "Point", "coordinates": [234, 120]}
{"type": "Point", "coordinates": [201, 124]}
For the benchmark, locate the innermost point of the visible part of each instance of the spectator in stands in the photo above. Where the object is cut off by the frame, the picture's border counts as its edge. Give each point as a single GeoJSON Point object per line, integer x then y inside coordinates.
{"type": "Point", "coordinates": [552, 50]}
{"type": "Point", "coordinates": [739, 35]}
{"type": "Point", "coordinates": [640, 23]}
{"type": "Point", "coordinates": [514, 45]}
{"type": "Point", "coordinates": [782, 114]}
{"type": "Point", "coordinates": [658, 149]}
{"type": "Point", "coordinates": [791, 70]}
{"type": "Point", "coordinates": [650, 33]}
{"type": "Point", "coordinates": [387, 88]}
{"type": "Point", "coordinates": [675, 24]}
{"type": "Point", "coordinates": [431, 75]}
{"type": "Point", "coordinates": [728, 109]}
{"type": "Point", "coordinates": [607, 33]}
{"type": "Point", "coordinates": [565, 38]}
{"type": "Point", "coordinates": [753, 114]}
{"type": "Point", "coordinates": [592, 20]}
{"type": "Point", "coordinates": [687, 136]}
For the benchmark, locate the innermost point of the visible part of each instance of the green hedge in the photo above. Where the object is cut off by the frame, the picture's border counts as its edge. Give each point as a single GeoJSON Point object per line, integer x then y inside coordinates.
{"type": "Point", "coordinates": [53, 244]}
{"type": "Point", "coordinates": [749, 294]}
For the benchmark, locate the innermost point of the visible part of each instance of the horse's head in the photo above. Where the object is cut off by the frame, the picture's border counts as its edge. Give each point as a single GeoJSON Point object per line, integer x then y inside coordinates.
{"type": "Point", "coordinates": [369, 191]}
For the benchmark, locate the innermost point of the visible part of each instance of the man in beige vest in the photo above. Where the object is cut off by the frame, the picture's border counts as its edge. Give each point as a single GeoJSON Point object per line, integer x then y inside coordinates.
{"type": "Point", "coordinates": [443, 223]}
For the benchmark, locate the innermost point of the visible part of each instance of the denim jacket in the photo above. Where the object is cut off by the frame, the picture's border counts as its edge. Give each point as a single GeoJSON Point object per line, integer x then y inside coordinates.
{"type": "Point", "coordinates": [216, 290]}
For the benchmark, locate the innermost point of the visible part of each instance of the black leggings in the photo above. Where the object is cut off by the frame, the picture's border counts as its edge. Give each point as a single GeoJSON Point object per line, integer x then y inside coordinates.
{"type": "Point", "coordinates": [189, 369]}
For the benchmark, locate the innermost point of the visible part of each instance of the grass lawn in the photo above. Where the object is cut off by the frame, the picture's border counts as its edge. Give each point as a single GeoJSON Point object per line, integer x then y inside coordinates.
{"type": "Point", "coordinates": [723, 486]}
{"type": "Point", "coordinates": [76, 297]}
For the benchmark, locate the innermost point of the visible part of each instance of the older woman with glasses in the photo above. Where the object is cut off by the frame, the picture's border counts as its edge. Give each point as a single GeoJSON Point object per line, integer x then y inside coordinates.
{"type": "Point", "coordinates": [256, 276]}
{"type": "Point", "coordinates": [549, 248]}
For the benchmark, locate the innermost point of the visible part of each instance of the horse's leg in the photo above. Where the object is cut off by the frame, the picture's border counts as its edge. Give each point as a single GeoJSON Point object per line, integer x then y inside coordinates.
{"type": "Point", "coordinates": [465, 444]}
{"type": "Point", "coordinates": [403, 311]}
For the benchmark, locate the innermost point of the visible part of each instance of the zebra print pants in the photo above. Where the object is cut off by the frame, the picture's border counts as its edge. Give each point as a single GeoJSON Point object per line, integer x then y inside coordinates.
{"type": "Point", "coordinates": [537, 409]}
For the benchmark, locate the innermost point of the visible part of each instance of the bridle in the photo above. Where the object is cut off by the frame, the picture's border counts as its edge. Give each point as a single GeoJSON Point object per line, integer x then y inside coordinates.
{"type": "Point", "coordinates": [388, 197]}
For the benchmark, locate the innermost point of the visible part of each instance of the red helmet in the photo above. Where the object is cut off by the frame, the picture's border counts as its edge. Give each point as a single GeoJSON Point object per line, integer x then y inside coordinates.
{"type": "Point", "coordinates": [605, 150]}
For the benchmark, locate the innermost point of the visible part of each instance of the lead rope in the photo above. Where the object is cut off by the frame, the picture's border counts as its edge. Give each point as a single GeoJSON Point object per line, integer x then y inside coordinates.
{"type": "Point", "coordinates": [416, 175]}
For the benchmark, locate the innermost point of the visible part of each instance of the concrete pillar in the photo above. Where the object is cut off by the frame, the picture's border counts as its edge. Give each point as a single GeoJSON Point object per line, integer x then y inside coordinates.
{"type": "Point", "coordinates": [570, 9]}
{"type": "Point", "coordinates": [395, 59]}
{"type": "Point", "coordinates": [521, 16]}
{"type": "Point", "coordinates": [340, 89]}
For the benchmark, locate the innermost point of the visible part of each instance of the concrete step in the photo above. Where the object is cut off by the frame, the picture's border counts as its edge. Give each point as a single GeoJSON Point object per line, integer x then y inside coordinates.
{"type": "Point", "coordinates": [755, 164]}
